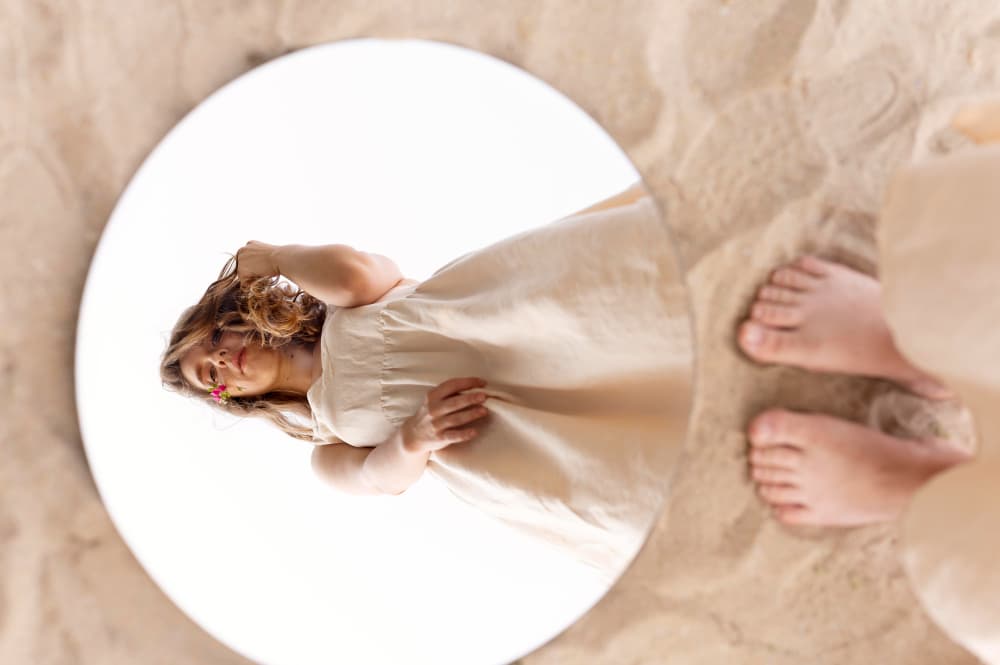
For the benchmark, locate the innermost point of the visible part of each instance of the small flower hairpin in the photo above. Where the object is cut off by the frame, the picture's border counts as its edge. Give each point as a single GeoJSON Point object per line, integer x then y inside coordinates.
{"type": "Point", "coordinates": [220, 394]}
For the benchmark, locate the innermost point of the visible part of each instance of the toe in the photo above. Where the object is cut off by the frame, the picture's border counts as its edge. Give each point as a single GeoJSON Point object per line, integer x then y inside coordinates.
{"type": "Point", "coordinates": [767, 344]}
{"type": "Point", "coordinates": [792, 514]}
{"type": "Point", "coordinates": [812, 264]}
{"type": "Point", "coordinates": [780, 495]}
{"type": "Point", "coordinates": [770, 475]}
{"type": "Point", "coordinates": [782, 427]}
{"type": "Point", "coordinates": [776, 315]}
{"type": "Point", "coordinates": [775, 457]}
{"type": "Point", "coordinates": [778, 294]}
{"type": "Point", "coordinates": [793, 278]}
{"type": "Point", "coordinates": [765, 428]}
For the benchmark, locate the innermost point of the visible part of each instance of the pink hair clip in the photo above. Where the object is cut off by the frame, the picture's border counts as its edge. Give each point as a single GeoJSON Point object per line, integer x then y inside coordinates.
{"type": "Point", "coordinates": [220, 394]}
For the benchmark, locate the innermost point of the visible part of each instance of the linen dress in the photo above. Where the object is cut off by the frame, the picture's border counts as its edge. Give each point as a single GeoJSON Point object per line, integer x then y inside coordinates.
{"type": "Point", "coordinates": [580, 329]}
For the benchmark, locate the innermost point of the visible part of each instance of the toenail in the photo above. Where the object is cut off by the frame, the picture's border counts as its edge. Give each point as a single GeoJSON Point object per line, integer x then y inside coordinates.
{"type": "Point", "coordinates": [753, 334]}
{"type": "Point", "coordinates": [761, 430]}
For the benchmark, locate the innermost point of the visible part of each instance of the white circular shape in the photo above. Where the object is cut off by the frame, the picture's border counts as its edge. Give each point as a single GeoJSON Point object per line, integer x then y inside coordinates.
{"type": "Point", "coordinates": [416, 150]}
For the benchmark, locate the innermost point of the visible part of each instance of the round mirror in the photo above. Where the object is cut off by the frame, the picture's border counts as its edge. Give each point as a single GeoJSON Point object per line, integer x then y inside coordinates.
{"type": "Point", "coordinates": [534, 260]}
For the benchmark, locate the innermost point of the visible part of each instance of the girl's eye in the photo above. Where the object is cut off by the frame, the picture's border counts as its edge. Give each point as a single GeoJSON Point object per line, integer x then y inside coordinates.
{"type": "Point", "coordinates": [216, 337]}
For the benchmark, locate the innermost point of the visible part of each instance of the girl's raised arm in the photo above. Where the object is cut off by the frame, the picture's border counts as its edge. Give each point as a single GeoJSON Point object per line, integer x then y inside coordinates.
{"type": "Point", "coordinates": [335, 274]}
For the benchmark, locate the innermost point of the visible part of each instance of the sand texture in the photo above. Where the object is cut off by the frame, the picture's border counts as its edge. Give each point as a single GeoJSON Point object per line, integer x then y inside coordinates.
{"type": "Point", "coordinates": [764, 128]}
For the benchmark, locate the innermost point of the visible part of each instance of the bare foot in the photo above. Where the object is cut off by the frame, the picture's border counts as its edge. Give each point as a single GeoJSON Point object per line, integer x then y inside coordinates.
{"type": "Point", "coordinates": [819, 470]}
{"type": "Point", "coordinates": [825, 317]}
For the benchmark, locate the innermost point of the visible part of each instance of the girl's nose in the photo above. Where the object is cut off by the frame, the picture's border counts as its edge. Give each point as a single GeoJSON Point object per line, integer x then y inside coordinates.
{"type": "Point", "coordinates": [220, 357]}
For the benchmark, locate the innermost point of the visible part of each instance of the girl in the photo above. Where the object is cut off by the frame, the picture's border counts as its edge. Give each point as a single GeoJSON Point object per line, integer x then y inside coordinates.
{"type": "Point", "coordinates": [543, 379]}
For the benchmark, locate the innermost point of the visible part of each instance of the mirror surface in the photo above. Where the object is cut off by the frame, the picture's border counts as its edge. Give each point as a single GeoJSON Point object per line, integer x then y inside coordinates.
{"type": "Point", "coordinates": [418, 151]}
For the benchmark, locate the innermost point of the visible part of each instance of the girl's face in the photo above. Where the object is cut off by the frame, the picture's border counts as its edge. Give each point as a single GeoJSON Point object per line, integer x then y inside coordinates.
{"type": "Point", "coordinates": [247, 370]}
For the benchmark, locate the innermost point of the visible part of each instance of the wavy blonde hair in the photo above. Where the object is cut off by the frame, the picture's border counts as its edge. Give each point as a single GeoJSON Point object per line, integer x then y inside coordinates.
{"type": "Point", "coordinates": [266, 310]}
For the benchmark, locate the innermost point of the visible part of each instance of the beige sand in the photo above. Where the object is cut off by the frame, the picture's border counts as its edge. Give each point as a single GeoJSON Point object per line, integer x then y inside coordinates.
{"type": "Point", "coordinates": [764, 128]}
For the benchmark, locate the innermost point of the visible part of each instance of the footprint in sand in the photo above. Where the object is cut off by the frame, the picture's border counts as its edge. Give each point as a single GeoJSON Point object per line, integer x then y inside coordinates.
{"type": "Point", "coordinates": [724, 58]}
{"type": "Point", "coordinates": [866, 103]}
{"type": "Point", "coordinates": [751, 163]}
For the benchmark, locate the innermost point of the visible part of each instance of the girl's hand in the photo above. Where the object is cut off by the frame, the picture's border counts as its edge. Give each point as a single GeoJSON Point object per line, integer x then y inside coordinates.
{"type": "Point", "coordinates": [256, 259]}
{"type": "Point", "coordinates": [440, 421]}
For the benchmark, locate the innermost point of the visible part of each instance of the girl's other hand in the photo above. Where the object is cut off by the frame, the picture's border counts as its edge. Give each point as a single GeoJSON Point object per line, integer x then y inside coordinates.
{"type": "Point", "coordinates": [256, 259]}
{"type": "Point", "coordinates": [442, 419]}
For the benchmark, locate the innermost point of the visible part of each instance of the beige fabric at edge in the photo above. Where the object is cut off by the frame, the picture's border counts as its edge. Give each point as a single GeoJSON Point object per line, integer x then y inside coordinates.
{"type": "Point", "coordinates": [940, 259]}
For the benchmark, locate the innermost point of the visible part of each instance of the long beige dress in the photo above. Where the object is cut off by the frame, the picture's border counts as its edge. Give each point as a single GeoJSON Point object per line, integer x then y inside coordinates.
{"type": "Point", "coordinates": [580, 327]}
{"type": "Point", "coordinates": [940, 268]}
